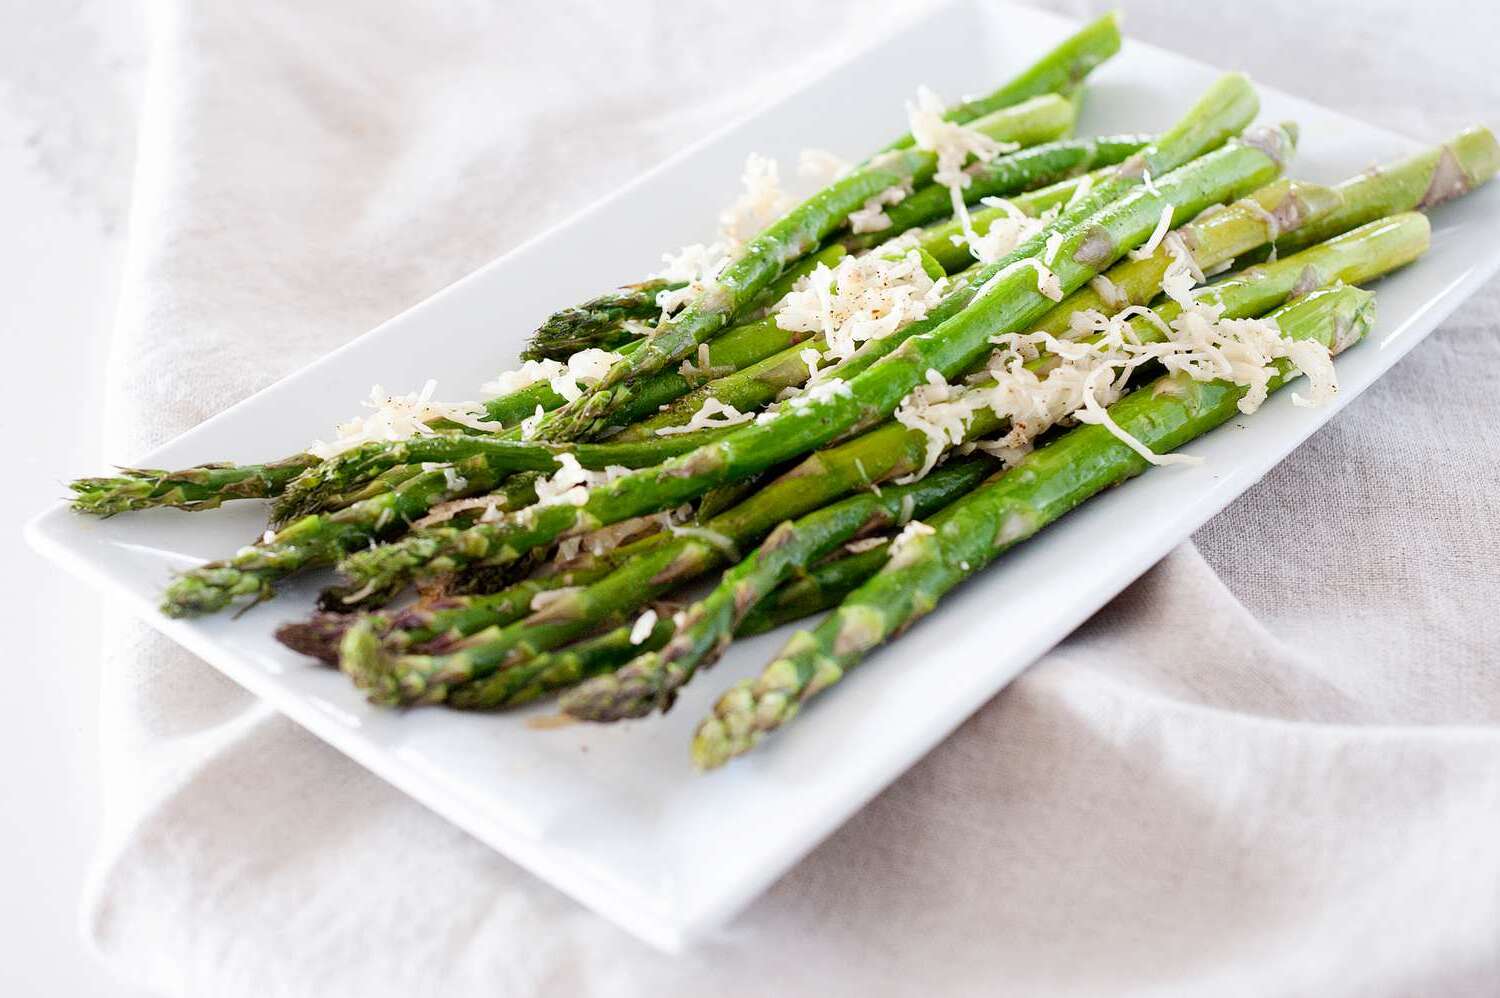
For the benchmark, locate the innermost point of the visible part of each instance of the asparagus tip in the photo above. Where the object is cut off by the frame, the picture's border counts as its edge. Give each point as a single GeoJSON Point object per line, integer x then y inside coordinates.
{"type": "Point", "coordinates": [641, 687]}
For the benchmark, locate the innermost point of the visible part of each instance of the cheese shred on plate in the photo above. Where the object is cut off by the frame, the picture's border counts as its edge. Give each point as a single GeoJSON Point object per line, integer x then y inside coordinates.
{"type": "Point", "coordinates": [399, 417]}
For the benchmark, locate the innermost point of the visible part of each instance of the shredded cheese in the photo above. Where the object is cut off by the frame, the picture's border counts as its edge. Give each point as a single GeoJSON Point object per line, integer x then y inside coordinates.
{"type": "Point", "coordinates": [644, 625]}
{"type": "Point", "coordinates": [1054, 243]}
{"type": "Point", "coordinates": [954, 144]}
{"type": "Point", "coordinates": [1157, 235]}
{"type": "Point", "coordinates": [1003, 234]}
{"type": "Point", "coordinates": [493, 507]}
{"type": "Point", "coordinates": [1086, 376]}
{"type": "Point", "coordinates": [821, 166]}
{"type": "Point", "coordinates": [762, 202]}
{"type": "Point", "coordinates": [712, 538]}
{"type": "Point", "coordinates": [872, 217]}
{"type": "Point", "coordinates": [569, 485]}
{"type": "Point", "coordinates": [1109, 292]}
{"type": "Point", "coordinates": [1084, 189]}
{"type": "Point", "coordinates": [530, 373]}
{"type": "Point", "coordinates": [711, 415]}
{"type": "Point", "coordinates": [399, 417]}
{"type": "Point", "coordinates": [865, 544]}
{"type": "Point", "coordinates": [860, 299]}
{"type": "Point", "coordinates": [547, 597]}
{"type": "Point", "coordinates": [694, 372]}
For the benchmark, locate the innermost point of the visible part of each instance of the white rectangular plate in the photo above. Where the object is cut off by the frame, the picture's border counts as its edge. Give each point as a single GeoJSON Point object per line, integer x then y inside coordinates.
{"type": "Point", "coordinates": [616, 816]}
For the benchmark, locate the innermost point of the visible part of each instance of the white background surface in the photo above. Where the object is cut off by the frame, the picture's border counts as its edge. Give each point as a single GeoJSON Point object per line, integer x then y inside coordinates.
{"type": "Point", "coordinates": [67, 73]}
{"type": "Point", "coordinates": [67, 78]}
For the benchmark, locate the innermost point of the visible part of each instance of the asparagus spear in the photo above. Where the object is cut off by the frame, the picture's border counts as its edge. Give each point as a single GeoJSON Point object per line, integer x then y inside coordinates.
{"type": "Point", "coordinates": [1010, 508]}
{"type": "Point", "coordinates": [1009, 301]}
{"type": "Point", "coordinates": [1423, 181]}
{"type": "Point", "coordinates": [204, 487]}
{"type": "Point", "coordinates": [762, 259]}
{"type": "Point", "coordinates": [396, 679]}
{"type": "Point", "coordinates": [651, 681]}
{"type": "Point", "coordinates": [598, 322]}
{"type": "Point", "coordinates": [820, 590]}
{"type": "Point", "coordinates": [1005, 175]}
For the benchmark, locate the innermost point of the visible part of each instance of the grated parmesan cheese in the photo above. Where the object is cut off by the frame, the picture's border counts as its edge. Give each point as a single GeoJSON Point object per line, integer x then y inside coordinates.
{"type": "Point", "coordinates": [1084, 189]}
{"type": "Point", "coordinates": [1109, 292]}
{"type": "Point", "coordinates": [493, 506]}
{"type": "Point", "coordinates": [530, 373]}
{"type": "Point", "coordinates": [1054, 243]}
{"type": "Point", "coordinates": [712, 538]}
{"type": "Point", "coordinates": [865, 544]}
{"type": "Point", "coordinates": [954, 144]}
{"type": "Point", "coordinates": [644, 625]}
{"type": "Point", "coordinates": [860, 299]}
{"type": "Point", "coordinates": [547, 597]}
{"type": "Point", "coordinates": [1157, 235]}
{"type": "Point", "coordinates": [693, 371]}
{"type": "Point", "coordinates": [711, 415]}
{"type": "Point", "coordinates": [399, 417]}
{"type": "Point", "coordinates": [1088, 375]}
{"type": "Point", "coordinates": [1148, 185]}
{"type": "Point", "coordinates": [872, 217]}
{"type": "Point", "coordinates": [1003, 234]}
{"type": "Point", "coordinates": [762, 202]}
{"type": "Point", "coordinates": [531, 422]}
{"type": "Point", "coordinates": [697, 268]}
{"type": "Point", "coordinates": [570, 483]}
{"type": "Point", "coordinates": [821, 166]}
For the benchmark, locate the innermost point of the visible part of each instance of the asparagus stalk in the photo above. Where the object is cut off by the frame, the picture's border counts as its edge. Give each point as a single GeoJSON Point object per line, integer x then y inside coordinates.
{"type": "Point", "coordinates": [210, 485]}
{"type": "Point", "coordinates": [762, 259]}
{"type": "Point", "coordinates": [205, 487]}
{"type": "Point", "coordinates": [1005, 175]}
{"type": "Point", "coordinates": [599, 322]}
{"type": "Point", "coordinates": [1423, 181]}
{"type": "Point", "coordinates": [820, 590]}
{"type": "Point", "coordinates": [1009, 301]}
{"type": "Point", "coordinates": [1010, 508]}
{"type": "Point", "coordinates": [397, 679]}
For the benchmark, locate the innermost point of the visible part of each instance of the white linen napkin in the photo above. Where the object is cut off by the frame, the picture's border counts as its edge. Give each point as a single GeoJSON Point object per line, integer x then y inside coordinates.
{"type": "Point", "coordinates": [1271, 767]}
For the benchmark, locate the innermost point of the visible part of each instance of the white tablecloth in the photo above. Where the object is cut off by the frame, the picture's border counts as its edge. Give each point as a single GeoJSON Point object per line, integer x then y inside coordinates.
{"type": "Point", "coordinates": [1302, 796]}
